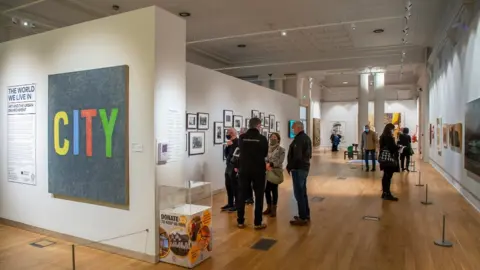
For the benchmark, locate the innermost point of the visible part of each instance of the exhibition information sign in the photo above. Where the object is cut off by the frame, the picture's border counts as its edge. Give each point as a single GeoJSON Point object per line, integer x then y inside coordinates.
{"type": "Point", "coordinates": [21, 130]}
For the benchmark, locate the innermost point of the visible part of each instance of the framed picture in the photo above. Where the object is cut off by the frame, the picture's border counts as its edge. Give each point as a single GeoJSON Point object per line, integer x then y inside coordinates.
{"type": "Point", "coordinates": [272, 127]}
{"type": "Point", "coordinates": [265, 132]}
{"type": "Point", "coordinates": [225, 131]}
{"type": "Point", "coordinates": [196, 143]}
{"type": "Point", "coordinates": [237, 122]}
{"type": "Point", "coordinates": [262, 118]}
{"type": "Point", "coordinates": [291, 134]}
{"type": "Point", "coordinates": [255, 114]}
{"type": "Point", "coordinates": [246, 122]}
{"type": "Point", "coordinates": [202, 121]}
{"type": "Point", "coordinates": [227, 118]}
{"type": "Point", "coordinates": [278, 126]}
{"type": "Point", "coordinates": [266, 123]}
{"type": "Point", "coordinates": [191, 121]}
{"type": "Point", "coordinates": [223, 151]}
{"type": "Point", "coordinates": [218, 134]}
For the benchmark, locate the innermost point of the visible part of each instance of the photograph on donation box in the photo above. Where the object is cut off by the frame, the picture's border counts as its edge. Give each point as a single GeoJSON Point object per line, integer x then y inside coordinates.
{"type": "Point", "coordinates": [88, 142]}
{"type": "Point", "coordinates": [21, 134]}
{"type": "Point", "coordinates": [472, 138]}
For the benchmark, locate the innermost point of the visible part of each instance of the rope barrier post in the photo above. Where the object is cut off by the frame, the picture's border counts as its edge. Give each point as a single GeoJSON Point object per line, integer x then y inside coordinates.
{"type": "Point", "coordinates": [73, 257]}
{"type": "Point", "coordinates": [419, 180]}
{"type": "Point", "coordinates": [443, 242]}
{"type": "Point", "coordinates": [426, 202]}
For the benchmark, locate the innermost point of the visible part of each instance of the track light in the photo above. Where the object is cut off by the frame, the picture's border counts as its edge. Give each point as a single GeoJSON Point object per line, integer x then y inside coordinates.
{"type": "Point", "coordinates": [284, 33]}
{"type": "Point", "coordinates": [354, 27]}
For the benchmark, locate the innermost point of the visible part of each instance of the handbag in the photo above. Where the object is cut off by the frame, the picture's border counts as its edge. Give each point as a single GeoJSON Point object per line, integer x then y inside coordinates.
{"type": "Point", "coordinates": [385, 158]}
{"type": "Point", "coordinates": [275, 176]}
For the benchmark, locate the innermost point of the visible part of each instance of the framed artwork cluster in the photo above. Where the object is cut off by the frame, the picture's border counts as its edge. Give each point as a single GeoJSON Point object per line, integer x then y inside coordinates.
{"type": "Point", "coordinates": [196, 124]}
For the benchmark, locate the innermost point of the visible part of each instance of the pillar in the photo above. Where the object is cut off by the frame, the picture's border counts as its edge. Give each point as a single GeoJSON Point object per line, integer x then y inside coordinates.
{"type": "Point", "coordinates": [362, 104]}
{"type": "Point", "coordinates": [425, 123]}
{"type": "Point", "coordinates": [279, 85]}
{"type": "Point", "coordinates": [379, 107]}
{"type": "Point", "coordinates": [264, 80]}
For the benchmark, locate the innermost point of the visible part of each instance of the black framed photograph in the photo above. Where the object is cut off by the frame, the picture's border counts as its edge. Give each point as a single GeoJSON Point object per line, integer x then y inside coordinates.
{"type": "Point", "coordinates": [271, 119]}
{"type": "Point", "coordinates": [202, 121]}
{"type": "Point", "coordinates": [255, 114]}
{"type": "Point", "coordinates": [266, 123]}
{"type": "Point", "coordinates": [196, 143]}
{"type": "Point", "coordinates": [237, 122]}
{"type": "Point", "coordinates": [227, 118]}
{"type": "Point", "coordinates": [246, 122]}
{"type": "Point", "coordinates": [191, 121]}
{"type": "Point", "coordinates": [225, 131]}
{"type": "Point", "coordinates": [278, 126]}
{"type": "Point", "coordinates": [218, 134]}
{"type": "Point", "coordinates": [223, 151]}
{"type": "Point", "coordinates": [265, 132]}
{"type": "Point", "coordinates": [262, 118]}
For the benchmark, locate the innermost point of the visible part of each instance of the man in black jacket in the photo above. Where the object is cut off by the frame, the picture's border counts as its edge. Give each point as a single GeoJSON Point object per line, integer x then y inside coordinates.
{"type": "Point", "coordinates": [299, 155]}
{"type": "Point", "coordinates": [253, 151]}
{"type": "Point", "coordinates": [230, 174]}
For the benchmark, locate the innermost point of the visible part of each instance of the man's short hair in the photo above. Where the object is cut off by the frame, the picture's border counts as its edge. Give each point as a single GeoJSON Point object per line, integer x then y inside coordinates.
{"type": "Point", "coordinates": [254, 122]}
{"type": "Point", "coordinates": [298, 124]}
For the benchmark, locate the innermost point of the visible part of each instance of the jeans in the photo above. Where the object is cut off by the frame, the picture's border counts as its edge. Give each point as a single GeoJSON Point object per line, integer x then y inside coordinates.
{"type": "Point", "coordinates": [372, 154]}
{"type": "Point", "coordinates": [387, 179]}
{"type": "Point", "coordinates": [246, 179]}
{"type": "Point", "coordinates": [299, 178]}
{"type": "Point", "coordinates": [402, 159]}
{"type": "Point", "coordinates": [271, 193]}
{"type": "Point", "coordinates": [231, 184]}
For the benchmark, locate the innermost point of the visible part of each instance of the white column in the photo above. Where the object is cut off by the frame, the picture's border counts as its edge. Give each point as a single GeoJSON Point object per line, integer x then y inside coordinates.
{"type": "Point", "coordinates": [264, 80]}
{"type": "Point", "coordinates": [425, 123]}
{"type": "Point", "coordinates": [279, 84]}
{"type": "Point", "coordinates": [362, 104]}
{"type": "Point", "coordinates": [379, 107]}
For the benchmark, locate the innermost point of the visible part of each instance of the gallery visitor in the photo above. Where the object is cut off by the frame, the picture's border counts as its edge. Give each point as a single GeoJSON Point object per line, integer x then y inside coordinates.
{"type": "Point", "coordinates": [406, 142]}
{"type": "Point", "coordinates": [299, 155]}
{"type": "Point", "coordinates": [368, 146]}
{"type": "Point", "coordinates": [253, 152]}
{"type": "Point", "coordinates": [230, 174]}
{"type": "Point", "coordinates": [335, 139]}
{"type": "Point", "coordinates": [274, 167]}
{"type": "Point", "coordinates": [388, 159]}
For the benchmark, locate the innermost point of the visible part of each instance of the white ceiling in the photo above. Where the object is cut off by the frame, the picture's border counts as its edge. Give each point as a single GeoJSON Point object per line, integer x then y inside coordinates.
{"type": "Point", "coordinates": [321, 36]}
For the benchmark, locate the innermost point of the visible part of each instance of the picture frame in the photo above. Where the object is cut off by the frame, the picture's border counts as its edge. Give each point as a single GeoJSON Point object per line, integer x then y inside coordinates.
{"type": "Point", "coordinates": [227, 118]}
{"type": "Point", "coordinates": [218, 133]}
{"type": "Point", "coordinates": [225, 131]}
{"type": "Point", "coordinates": [272, 127]}
{"type": "Point", "coordinates": [262, 118]}
{"type": "Point", "coordinates": [265, 132]}
{"type": "Point", "coordinates": [266, 123]}
{"type": "Point", "coordinates": [237, 122]}
{"type": "Point", "coordinates": [247, 120]}
{"type": "Point", "coordinates": [196, 143]}
{"type": "Point", "coordinates": [191, 121]}
{"type": "Point", "coordinates": [203, 120]}
{"type": "Point", "coordinates": [291, 134]}
{"type": "Point", "coordinates": [255, 113]}
{"type": "Point", "coordinates": [278, 126]}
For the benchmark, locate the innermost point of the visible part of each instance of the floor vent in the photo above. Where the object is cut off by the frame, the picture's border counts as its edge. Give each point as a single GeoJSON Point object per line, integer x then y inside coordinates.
{"type": "Point", "coordinates": [42, 243]}
{"type": "Point", "coordinates": [264, 244]}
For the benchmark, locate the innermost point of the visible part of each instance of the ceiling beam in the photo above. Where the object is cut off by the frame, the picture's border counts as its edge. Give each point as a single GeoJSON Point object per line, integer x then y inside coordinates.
{"type": "Point", "coordinates": [23, 6]}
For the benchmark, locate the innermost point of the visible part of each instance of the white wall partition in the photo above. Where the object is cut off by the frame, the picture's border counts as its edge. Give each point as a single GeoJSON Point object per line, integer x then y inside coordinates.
{"type": "Point", "coordinates": [212, 92]}
{"type": "Point", "coordinates": [126, 39]}
{"type": "Point", "coordinates": [455, 84]}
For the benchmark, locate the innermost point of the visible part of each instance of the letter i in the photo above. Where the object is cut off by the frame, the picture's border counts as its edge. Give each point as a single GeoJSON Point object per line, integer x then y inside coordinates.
{"type": "Point", "coordinates": [76, 147]}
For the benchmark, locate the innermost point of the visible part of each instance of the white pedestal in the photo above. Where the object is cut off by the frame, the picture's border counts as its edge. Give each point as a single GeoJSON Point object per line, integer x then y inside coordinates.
{"type": "Point", "coordinates": [185, 235]}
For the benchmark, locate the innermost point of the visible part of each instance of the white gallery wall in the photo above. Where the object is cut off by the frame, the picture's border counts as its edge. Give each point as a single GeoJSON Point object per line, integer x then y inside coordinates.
{"type": "Point", "coordinates": [456, 82]}
{"type": "Point", "coordinates": [212, 92]}
{"type": "Point", "coordinates": [125, 39]}
{"type": "Point", "coordinates": [347, 112]}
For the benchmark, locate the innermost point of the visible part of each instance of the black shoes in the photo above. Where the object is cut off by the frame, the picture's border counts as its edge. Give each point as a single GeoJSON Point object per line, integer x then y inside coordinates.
{"type": "Point", "coordinates": [249, 201]}
{"type": "Point", "coordinates": [225, 207]}
{"type": "Point", "coordinates": [387, 196]}
{"type": "Point", "coordinates": [368, 170]}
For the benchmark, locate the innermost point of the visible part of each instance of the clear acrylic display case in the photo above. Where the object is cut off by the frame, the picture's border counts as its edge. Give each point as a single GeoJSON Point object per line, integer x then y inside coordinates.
{"type": "Point", "coordinates": [194, 197]}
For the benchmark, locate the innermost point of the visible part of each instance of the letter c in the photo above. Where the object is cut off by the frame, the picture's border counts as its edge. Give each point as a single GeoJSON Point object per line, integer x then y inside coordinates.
{"type": "Point", "coordinates": [62, 151]}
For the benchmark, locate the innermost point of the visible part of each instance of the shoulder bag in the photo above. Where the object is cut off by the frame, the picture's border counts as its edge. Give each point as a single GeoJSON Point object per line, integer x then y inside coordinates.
{"type": "Point", "coordinates": [275, 176]}
{"type": "Point", "coordinates": [386, 159]}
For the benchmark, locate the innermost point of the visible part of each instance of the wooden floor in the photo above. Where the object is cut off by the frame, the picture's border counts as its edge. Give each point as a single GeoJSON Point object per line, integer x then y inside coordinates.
{"type": "Point", "coordinates": [337, 238]}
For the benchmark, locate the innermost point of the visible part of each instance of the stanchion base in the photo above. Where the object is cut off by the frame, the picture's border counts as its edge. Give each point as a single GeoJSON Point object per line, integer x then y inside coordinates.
{"type": "Point", "coordinates": [443, 243]}
{"type": "Point", "coordinates": [427, 203]}
{"type": "Point", "coordinates": [419, 185]}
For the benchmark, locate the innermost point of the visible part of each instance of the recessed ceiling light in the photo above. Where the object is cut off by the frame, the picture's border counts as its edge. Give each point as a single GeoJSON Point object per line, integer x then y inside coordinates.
{"type": "Point", "coordinates": [378, 31]}
{"type": "Point", "coordinates": [284, 33]}
{"type": "Point", "coordinates": [184, 14]}
{"type": "Point", "coordinates": [345, 82]}
{"type": "Point", "coordinates": [241, 45]}
{"type": "Point", "coordinates": [25, 23]}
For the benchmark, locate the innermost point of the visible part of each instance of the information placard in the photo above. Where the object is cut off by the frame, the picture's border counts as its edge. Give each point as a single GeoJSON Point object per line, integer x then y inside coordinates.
{"type": "Point", "coordinates": [21, 134]}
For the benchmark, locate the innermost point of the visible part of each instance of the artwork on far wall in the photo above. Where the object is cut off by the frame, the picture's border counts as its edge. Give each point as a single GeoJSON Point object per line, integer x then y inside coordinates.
{"type": "Point", "coordinates": [262, 118]}
{"type": "Point", "coordinates": [338, 127]}
{"type": "Point", "coordinates": [266, 123]}
{"type": "Point", "coordinates": [203, 120]}
{"type": "Point", "coordinates": [458, 137]}
{"type": "Point", "coordinates": [451, 131]}
{"type": "Point", "coordinates": [396, 120]}
{"type": "Point", "coordinates": [439, 135]}
{"type": "Point", "coordinates": [316, 132]}
{"type": "Point", "coordinates": [191, 121]}
{"type": "Point", "coordinates": [272, 123]}
{"type": "Point", "coordinates": [237, 122]}
{"type": "Point", "coordinates": [265, 132]}
{"type": "Point", "coordinates": [225, 131]}
{"type": "Point", "coordinates": [255, 114]}
{"type": "Point", "coordinates": [196, 143]}
{"type": "Point", "coordinates": [291, 134]}
{"type": "Point", "coordinates": [88, 156]}
{"type": "Point", "coordinates": [227, 118]}
{"type": "Point", "coordinates": [445, 135]}
{"type": "Point", "coordinates": [432, 133]}
{"type": "Point", "coordinates": [472, 137]}
{"type": "Point", "coordinates": [247, 120]}
{"type": "Point", "coordinates": [278, 126]}
{"type": "Point", "coordinates": [218, 133]}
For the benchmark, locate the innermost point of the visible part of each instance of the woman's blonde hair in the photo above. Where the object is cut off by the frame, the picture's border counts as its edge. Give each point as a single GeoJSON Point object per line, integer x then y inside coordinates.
{"type": "Point", "coordinates": [276, 134]}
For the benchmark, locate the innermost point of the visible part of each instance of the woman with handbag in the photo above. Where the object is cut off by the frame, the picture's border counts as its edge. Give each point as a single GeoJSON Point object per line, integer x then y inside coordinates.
{"type": "Point", "coordinates": [406, 141]}
{"type": "Point", "coordinates": [388, 160]}
{"type": "Point", "coordinates": [275, 158]}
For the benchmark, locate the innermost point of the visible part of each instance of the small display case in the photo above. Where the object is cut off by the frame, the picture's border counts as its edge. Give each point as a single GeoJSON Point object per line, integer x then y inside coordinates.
{"type": "Point", "coordinates": [185, 231]}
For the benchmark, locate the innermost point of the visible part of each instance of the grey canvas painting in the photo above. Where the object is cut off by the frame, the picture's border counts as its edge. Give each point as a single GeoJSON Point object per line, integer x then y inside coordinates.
{"type": "Point", "coordinates": [88, 136]}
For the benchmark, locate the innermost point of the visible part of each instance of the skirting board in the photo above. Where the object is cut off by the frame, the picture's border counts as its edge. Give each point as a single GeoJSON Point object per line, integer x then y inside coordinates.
{"type": "Point", "coordinates": [471, 198]}
{"type": "Point", "coordinates": [76, 240]}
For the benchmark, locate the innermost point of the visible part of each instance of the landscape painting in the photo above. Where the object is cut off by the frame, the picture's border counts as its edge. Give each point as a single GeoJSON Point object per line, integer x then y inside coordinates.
{"type": "Point", "coordinates": [457, 137]}
{"type": "Point", "coordinates": [439, 133]}
{"type": "Point", "coordinates": [445, 135]}
{"type": "Point", "coordinates": [396, 120]}
{"type": "Point", "coordinates": [472, 137]}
